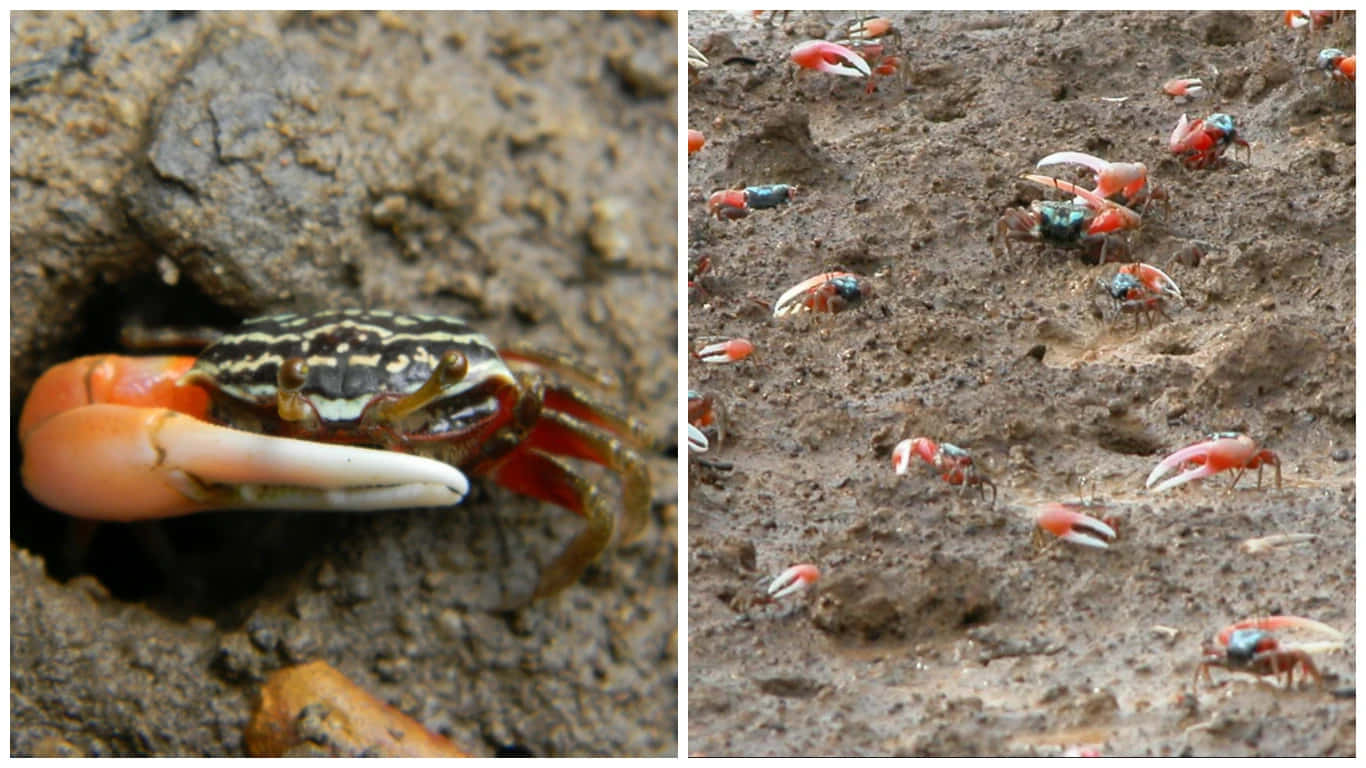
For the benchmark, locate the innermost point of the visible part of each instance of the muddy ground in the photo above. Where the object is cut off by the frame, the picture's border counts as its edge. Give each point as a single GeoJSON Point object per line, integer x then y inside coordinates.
{"type": "Point", "coordinates": [176, 169]}
{"type": "Point", "coordinates": [938, 627]}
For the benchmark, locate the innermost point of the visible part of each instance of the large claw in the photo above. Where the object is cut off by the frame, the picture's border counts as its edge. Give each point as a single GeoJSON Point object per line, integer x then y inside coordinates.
{"type": "Point", "coordinates": [697, 441]}
{"type": "Point", "coordinates": [1276, 623]}
{"type": "Point", "coordinates": [1065, 522]}
{"type": "Point", "coordinates": [1111, 178]}
{"type": "Point", "coordinates": [1196, 472]}
{"type": "Point", "coordinates": [118, 462]}
{"type": "Point", "coordinates": [795, 579]}
{"type": "Point", "coordinates": [831, 58]}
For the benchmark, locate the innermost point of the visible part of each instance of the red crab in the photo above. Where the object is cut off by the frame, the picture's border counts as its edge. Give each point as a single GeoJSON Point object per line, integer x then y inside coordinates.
{"type": "Point", "coordinates": [1222, 451]}
{"type": "Point", "coordinates": [340, 410]}
{"type": "Point", "coordinates": [1202, 143]}
{"type": "Point", "coordinates": [1248, 646]}
{"type": "Point", "coordinates": [954, 464]}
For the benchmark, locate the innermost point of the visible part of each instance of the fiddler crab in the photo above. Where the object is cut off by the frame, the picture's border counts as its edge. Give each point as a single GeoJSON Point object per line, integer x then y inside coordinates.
{"type": "Point", "coordinates": [1202, 143]}
{"type": "Point", "coordinates": [1141, 289]}
{"type": "Point", "coordinates": [732, 204]}
{"type": "Point", "coordinates": [1092, 221]}
{"type": "Point", "coordinates": [1338, 65]}
{"type": "Point", "coordinates": [704, 411]}
{"type": "Point", "coordinates": [354, 410]}
{"type": "Point", "coordinates": [1069, 523]}
{"type": "Point", "coordinates": [1222, 451]}
{"type": "Point", "coordinates": [954, 464]}
{"type": "Point", "coordinates": [1123, 183]}
{"type": "Point", "coordinates": [1248, 646]}
{"type": "Point", "coordinates": [827, 292]}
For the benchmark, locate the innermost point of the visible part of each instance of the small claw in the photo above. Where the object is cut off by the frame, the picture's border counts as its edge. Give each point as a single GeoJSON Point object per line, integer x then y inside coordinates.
{"type": "Point", "coordinates": [831, 58]}
{"type": "Point", "coordinates": [697, 441]}
{"type": "Point", "coordinates": [729, 351]}
{"type": "Point", "coordinates": [795, 579]}
{"type": "Point", "coordinates": [115, 462]}
{"type": "Point", "coordinates": [1066, 523]}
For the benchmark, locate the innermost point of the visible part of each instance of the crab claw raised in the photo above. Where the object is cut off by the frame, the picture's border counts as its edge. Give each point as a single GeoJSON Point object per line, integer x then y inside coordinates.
{"type": "Point", "coordinates": [830, 57]}
{"type": "Point", "coordinates": [1226, 450]}
{"type": "Point", "coordinates": [1065, 522]}
{"type": "Point", "coordinates": [155, 462]}
{"type": "Point", "coordinates": [795, 579]}
{"type": "Point", "coordinates": [1111, 178]}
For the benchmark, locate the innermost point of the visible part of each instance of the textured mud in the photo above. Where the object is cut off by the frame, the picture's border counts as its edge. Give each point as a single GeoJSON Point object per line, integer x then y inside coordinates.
{"type": "Point", "coordinates": [938, 626]}
{"type": "Point", "coordinates": [189, 169]}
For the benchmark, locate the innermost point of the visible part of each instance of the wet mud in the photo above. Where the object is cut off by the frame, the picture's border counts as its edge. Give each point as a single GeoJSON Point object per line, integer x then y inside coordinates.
{"type": "Point", "coordinates": [939, 626]}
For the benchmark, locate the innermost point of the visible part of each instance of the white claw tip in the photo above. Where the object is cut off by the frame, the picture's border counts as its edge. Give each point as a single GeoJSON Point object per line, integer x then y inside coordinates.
{"type": "Point", "coordinates": [795, 579]}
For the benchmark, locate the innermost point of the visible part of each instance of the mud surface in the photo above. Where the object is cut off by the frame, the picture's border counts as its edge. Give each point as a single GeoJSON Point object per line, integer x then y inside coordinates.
{"type": "Point", "coordinates": [194, 169]}
{"type": "Point", "coordinates": [938, 627]}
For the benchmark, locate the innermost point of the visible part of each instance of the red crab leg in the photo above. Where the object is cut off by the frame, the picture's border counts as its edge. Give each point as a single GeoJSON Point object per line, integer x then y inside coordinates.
{"type": "Point", "coordinates": [96, 447]}
{"type": "Point", "coordinates": [561, 435]}
{"type": "Point", "coordinates": [530, 472]}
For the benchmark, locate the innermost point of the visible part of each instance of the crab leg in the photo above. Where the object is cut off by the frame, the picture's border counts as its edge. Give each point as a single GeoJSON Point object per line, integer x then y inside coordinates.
{"type": "Point", "coordinates": [118, 462]}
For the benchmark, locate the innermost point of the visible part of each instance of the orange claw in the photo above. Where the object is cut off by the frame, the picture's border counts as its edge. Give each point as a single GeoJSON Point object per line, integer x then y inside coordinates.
{"type": "Point", "coordinates": [1188, 87]}
{"type": "Point", "coordinates": [1222, 451]}
{"type": "Point", "coordinates": [831, 58]}
{"type": "Point", "coordinates": [1269, 623]}
{"type": "Point", "coordinates": [1065, 522]}
{"type": "Point", "coordinates": [730, 351]}
{"type": "Point", "coordinates": [728, 204]}
{"type": "Point", "coordinates": [695, 140]}
{"type": "Point", "coordinates": [98, 443]}
{"type": "Point", "coordinates": [798, 578]}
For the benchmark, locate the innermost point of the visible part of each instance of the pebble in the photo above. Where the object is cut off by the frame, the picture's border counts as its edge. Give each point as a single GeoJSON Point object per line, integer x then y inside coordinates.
{"type": "Point", "coordinates": [1342, 454]}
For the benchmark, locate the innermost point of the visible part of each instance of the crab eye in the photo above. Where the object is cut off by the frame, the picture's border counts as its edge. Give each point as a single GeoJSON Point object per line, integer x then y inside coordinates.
{"type": "Point", "coordinates": [453, 366]}
{"type": "Point", "coordinates": [293, 374]}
